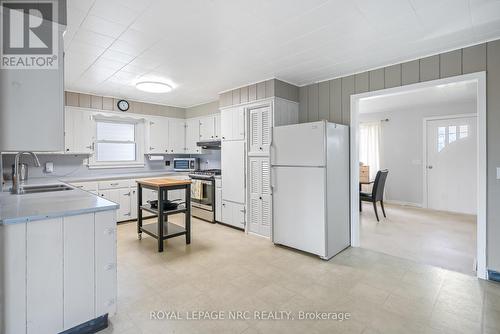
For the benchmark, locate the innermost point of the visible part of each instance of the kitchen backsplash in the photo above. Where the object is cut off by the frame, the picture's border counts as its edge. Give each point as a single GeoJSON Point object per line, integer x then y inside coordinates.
{"type": "Point", "coordinates": [75, 165]}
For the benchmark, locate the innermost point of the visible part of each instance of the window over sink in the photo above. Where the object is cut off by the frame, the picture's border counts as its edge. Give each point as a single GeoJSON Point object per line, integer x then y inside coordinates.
{"type": "Point", "coordinates": [118, 143]}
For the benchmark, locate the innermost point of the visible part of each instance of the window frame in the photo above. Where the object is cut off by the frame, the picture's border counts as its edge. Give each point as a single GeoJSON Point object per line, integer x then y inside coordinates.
{"type": "Point", "coordinates": [93, 163]}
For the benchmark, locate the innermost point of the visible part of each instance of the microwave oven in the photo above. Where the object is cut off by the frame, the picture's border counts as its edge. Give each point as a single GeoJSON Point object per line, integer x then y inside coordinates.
{"type": "Point", "coordinates": [185, 164]}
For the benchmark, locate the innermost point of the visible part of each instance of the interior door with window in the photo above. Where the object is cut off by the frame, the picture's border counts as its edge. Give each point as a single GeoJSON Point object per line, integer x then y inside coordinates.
{"type": "Point", "coordinates": [451, 166]}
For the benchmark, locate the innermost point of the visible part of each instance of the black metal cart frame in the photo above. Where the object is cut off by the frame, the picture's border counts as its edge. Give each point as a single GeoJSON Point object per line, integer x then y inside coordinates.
{"type": "Point", "coordinates": [163, 230]}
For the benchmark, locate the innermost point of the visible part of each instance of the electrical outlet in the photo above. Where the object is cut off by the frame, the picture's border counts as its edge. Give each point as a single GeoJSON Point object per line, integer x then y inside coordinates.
{"type": "Point", "coordinates": [167, 162]}
{"type": "Point", "coordinates": [49, 167]}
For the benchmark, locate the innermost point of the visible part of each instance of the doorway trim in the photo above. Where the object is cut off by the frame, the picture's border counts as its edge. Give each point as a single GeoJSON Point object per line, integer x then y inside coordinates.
{"type": "Point", "coordinates": [480, 79]}
{"type": "Point", "coordinates": [425, 203]}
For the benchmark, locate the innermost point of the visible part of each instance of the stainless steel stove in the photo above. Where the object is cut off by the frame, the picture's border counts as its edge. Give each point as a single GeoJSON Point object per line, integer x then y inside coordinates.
{"type": "Point", "coordinates": [203, 194]}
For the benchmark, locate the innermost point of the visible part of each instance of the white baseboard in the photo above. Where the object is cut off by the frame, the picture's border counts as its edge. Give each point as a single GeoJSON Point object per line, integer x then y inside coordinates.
{"type": "Point", "coordinates": [416, 205]}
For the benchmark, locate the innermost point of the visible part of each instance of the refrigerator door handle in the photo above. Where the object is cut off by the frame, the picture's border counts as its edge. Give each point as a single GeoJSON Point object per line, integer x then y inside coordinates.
{"type": "Point", "coordinates": [273, 185]}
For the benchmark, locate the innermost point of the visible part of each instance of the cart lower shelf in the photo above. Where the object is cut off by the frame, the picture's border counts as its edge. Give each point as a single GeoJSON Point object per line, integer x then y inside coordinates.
{"type": "Point", "coordinates": [170, 230]}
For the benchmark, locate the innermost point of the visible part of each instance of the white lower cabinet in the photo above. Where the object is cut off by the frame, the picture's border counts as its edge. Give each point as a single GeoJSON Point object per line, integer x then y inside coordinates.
{"type": "Point", "coordinates": [105, 263]}
{"type": "Point", "coordinates": [44, 276]}
{"type": "Point", "coordinates": [78, 270]}
{"type": "Point", "coordinates": [58, 273]}
{"type": "Point", "coordinates": [233, 214]}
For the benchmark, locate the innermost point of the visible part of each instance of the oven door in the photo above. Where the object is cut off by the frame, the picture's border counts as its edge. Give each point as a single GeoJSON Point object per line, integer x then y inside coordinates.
{"type": "Point", "coordinates": [202, 194]}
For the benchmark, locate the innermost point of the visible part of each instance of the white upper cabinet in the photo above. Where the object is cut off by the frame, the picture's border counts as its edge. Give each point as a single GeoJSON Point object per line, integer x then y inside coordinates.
{"type": "Point", "coordinates": [210, 127]}
{"type": "Point", "coordinates": [217, 127]}
{"type": "Point", "coordinates": [158, 135]}
{"type": "Point", "coordinates": [233, 123]}
{"type": "Point", "coordinates": [79, 131]}
{"type": "Point", "coordinates": [192, 136]}
{"type": "Point", "coordinates": [207, 128]}
{"type": "Point", "coordinates": [176, 136]}
{"type": "Point", "coordinates": [260, 130]}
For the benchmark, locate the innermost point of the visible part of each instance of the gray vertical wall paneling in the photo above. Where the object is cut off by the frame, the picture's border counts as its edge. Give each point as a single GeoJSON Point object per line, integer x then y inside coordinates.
{"type": "Point", "coordinates": [324, 100]}
{"type": "Point", "coordinates": [410, 72]}
{"type": "Point", "coordinates": [252, 92]}
{"type": "Point", "coordinates": [84, 100]}
{"type": "Point", "coordinates": [474, 59]}
{"type": "Point", "coordinates": [429, 68]}
{"type": "Point", "coordinates": [236, 96]}
{"type": "Point", "coordinates": [450, 64]}
{"type": "Point", "coordinates": [226, 99]}
{"type": "Point", "coordinates": [347, 90]}
{"type": "Point", "coordinates": [293, 93]}
{"type": "Point", "coordinates": [96, 102]}
{"type": "Point", "coordinates": [72, 99]}
{"type": "Point", "coordinates": [270, 88]}
{"type": "Point", "coordinates": [303, 104]}
{"type": "Point", "coordinates": [493, 139]}
{"type": "Point", "coordinates": [244, 94]}
{"type": "Point", "coordinates": [362, 83]}
{"type": "Point", "coordinates": [336, 100]}
{"type": "Point", "coordinates": [281, 89]}
{"type": "Point", "coordinates": [107, 103]}
{"type": "Point", "coordinates": [377, 80]}
{"type": "Point", "coordinates": [313, 103]}
{"type": "Point", "coordinates": [392, 76]}
{"type": "Point", "coordinates": [261, 90]}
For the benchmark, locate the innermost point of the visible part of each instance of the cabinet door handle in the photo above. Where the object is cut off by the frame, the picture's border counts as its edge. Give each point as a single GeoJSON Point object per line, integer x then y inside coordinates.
{"type": "Point", "coordinates": [151, 148]}
{"type": "Point", "coordinates": [113, 184]}
{"type": "Point", "coordinates": [260, 197]}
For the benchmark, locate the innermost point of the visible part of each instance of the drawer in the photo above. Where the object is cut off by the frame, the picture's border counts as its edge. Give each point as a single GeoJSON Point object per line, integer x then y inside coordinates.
{"type": "Point", "coordinates": [87, 186]}
{"type": "Point", "coordinates": [218, 182]}
{"type": "Point", "coordinates": [112, 184]}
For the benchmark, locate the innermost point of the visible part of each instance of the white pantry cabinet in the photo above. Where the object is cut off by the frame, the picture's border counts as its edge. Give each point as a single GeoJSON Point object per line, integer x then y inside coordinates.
{"type": "Point", "coordinates": [58, 273]}
{"type": "Point", "coordinates": [260, 200]}
{"type": "Point", "coordinates": [176, 136]}
{"type": "Point", "coordinates": [158, 135]}
{"type": "Point", "coordinates": [260, 127]}
{"type": "Point", "coordinates": [218, 199]}
{"type": "Point", "coordinates": [79, 131]}
{"type": "Point", "coordinates": [233, 123]}
{"type": "Point", "coordinates": [192, 136]}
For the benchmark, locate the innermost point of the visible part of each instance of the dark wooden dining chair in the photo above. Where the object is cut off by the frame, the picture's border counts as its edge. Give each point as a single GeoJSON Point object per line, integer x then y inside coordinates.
{"type": "Point", "coordinates": [377, 194]}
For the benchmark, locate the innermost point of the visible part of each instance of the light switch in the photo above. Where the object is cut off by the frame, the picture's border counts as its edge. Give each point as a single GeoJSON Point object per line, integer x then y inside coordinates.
{"type": "Point", "coordinates": [498, 173]}
{"type": "Point", "coordinates": [49, 167]}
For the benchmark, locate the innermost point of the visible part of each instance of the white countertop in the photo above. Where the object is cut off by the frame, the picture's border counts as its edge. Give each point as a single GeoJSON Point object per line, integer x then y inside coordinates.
{"type": "Point", "coordinates": [40, 206]}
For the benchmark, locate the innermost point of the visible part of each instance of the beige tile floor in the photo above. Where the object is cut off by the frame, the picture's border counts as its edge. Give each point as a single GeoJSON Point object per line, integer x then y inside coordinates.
{"type": "Point", "coordinates": [443, 239]}
{"type": "Point", "coordinates": [224, 269]}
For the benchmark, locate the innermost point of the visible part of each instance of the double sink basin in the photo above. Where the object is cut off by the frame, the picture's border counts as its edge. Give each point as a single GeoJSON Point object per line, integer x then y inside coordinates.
{"type": "Point", "coordinates": [44, 188]}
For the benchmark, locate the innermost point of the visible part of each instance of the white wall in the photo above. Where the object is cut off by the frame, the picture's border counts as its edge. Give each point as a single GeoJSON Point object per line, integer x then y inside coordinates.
{"type": "Point", "coordinates": [401, 147]}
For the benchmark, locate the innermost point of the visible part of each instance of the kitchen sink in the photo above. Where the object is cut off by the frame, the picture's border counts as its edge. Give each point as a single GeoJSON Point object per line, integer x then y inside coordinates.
{"type": "Point", "coordinates": [45, 188]}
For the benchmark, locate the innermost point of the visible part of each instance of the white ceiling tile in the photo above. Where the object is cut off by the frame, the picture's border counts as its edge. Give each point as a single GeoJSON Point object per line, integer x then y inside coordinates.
{"type": "Point", "coordinates": [93, 38]}
{"type": "Point", "coordinates": [204, 47]}
{"type": "Point", "coordinates": [114, 11]}
{"type": "Point", "coordinates": [103, 26]}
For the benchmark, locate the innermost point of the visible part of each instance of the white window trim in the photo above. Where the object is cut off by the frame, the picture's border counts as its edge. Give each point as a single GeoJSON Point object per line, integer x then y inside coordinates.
{"type": "Point", "coordinates": [139, 140]}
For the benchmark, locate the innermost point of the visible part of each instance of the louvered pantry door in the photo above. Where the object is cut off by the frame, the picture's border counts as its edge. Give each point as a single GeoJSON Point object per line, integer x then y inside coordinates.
{"type": "Point", "coordinates": [260, 130]}
{"type": "Point", "coordinates": [260, 197]}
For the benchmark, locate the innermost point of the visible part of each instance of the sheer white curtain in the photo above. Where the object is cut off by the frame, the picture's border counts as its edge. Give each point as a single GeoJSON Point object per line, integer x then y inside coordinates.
{"type": "Point", "coordinates": [369, 141]}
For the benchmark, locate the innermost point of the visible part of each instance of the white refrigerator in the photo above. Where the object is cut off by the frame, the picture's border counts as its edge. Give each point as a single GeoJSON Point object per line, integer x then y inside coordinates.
{"type": "Point", "coordinates": [310, 187]}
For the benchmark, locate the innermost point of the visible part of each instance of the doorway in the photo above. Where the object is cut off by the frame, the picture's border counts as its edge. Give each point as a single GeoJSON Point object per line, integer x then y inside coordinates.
{"type": "Point", "coordinates": [476, 124]}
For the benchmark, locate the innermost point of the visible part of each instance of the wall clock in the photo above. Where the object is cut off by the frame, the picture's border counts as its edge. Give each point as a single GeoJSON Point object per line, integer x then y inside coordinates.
{"type": "Point", "coordinates": [123, 105]}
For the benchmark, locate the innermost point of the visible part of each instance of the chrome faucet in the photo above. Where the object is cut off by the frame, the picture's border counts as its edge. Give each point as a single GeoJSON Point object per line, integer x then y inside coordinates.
{"type": "Point", "coordinates": [16, 184]}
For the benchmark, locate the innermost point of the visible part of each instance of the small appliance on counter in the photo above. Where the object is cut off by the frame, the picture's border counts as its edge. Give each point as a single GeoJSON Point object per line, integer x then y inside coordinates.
{"type": "Point", "coordinates": [185, 164]}
{"type": "Point", "coordinates": [203, 194]}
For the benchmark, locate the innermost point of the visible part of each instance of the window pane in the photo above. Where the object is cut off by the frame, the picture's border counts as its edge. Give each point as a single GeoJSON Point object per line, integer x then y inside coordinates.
{"type": "Point", "coordinates": [441, 130]}
{"type": "Point", "coordinates": [115, 152]}
{"type": "Point", "coordinates": [452, 133]}
{"type": "Point", "coordinates": [115, 131]}
{"type": "Point", "coordinates": [441, 142]}
{"type": "Point", "coordinates": [464, 131]}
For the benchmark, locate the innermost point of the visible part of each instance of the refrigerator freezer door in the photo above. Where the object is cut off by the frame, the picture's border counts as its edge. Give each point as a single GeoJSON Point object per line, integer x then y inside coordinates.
{"type": "Point", "coordinates": [299, 145]}
{"type": "Point", "coordinates": [299, 208]}
{"type": "Point", "coordinates": [233, 169]}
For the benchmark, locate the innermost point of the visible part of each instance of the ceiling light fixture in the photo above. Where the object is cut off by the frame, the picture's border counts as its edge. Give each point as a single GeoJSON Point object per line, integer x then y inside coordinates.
{"type": "Point", "coordinates": [153, 87]}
